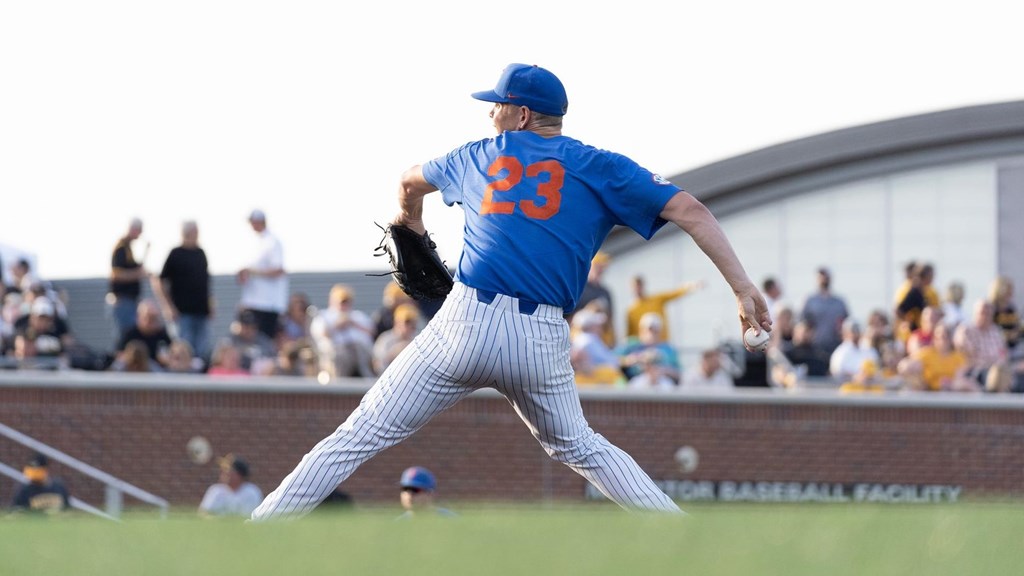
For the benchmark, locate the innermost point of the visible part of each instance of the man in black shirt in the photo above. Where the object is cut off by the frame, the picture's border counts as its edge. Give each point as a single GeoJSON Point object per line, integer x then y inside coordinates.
{"type": "Point", "coordinates": [42, 494]}
{"type": "Point", "coordinates": [126, 275]}
{"type": "Point", "coordinates": [184, 290]}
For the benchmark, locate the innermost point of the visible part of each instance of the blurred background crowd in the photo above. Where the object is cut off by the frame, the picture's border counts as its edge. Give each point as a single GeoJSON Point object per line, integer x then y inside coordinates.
{"type": "Point", "coordinates": [927, 338]}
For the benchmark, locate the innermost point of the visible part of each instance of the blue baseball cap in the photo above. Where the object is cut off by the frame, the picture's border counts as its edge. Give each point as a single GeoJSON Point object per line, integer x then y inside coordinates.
{"type": "Point", "coordinates": [418, 477]}
{"type": "Point", "coordinates": [530, 86]}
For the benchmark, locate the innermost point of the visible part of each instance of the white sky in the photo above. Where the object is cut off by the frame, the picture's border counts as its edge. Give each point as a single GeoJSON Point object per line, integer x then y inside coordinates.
{"type": "Point", "coordinates": [311, 110]}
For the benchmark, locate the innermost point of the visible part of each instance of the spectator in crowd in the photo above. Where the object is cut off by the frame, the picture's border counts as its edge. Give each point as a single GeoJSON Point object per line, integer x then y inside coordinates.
{"type": "Point", "coordinates": [264, 281]}
{"type": "Point", "coordinates": [783, 321]}
{"type": "Point", "coordinates": [42, 495]}
{"type": "Point", "coordinates": [654, 373]}
{"type": "Point", "coordinates": [632, 355]}
{"type": "Point", "coordinates": [344, 336]}
{"type": "Point", "coordinates": [716, 370]}
{"type": "Point", "coordinates": [772, 291]}
{"type": "Point", "coordinates": [982, 342]}
{"type": "Point", "coordinates": [419, 490]}
{"type": "Point", "coordinates": [296, 319]}
{"type": "Point", "coordinates": [805, 351]}
{"type": "Point", "coordinates": [923, 275]}
{"type": "Point", "coordinates": [952, 305]}
{"type": "Point", "coordinates": [133, 357]}
{"type": "Point", "coordinates": [38, 342]}
{"type": "Point", "coordinates": [938, 365]}
{"type": "Point", "coordinates": [126, 276]}
{"type": "Point", "coordinates": [931, 317]}
{"type": "Point", "coordinates": [848, 358]}
{"type": "Point", "coordinates": [390, 343]}
{"type": "Point", "coordinates": [22, 277]}
{"type": "Point", "coordinates": [908, 310]}
{"type": "Point", "coordinates": [880, 330]}
{"type": "Point", "coordinates": [644, 303]}
{"type": "Point", "coordinates": [226, 360]}
{"type": "Point", "coordinates": [181, 359]}
{"type": "Point", "coordinates": [234, 494]}
{"type": "Point", "coordinates": [866, 378]}
{"type": "Point", "coordinates": [184, 290]}
{"type": "Point", "coordinates": [1004, 310]}
{"type": "Point", "coordinates": [592, 360]}
{"type": "Point", "coordinates": [825, 312]}
{"type": "Point", "coordinates": [257, 349]}
{"type": "Point", "coordinates": [297, 358]}
{"type": "Point", "coordinates": [150, 329]}
{"type": "Point", "coordinates": [595, 289]}
{"type": "Point", "coordinates": [384, 317]}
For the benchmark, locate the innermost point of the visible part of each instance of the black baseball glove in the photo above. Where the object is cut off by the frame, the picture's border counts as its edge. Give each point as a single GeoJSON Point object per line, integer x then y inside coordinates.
{"type": "Point", "coordinates": [415, 265]}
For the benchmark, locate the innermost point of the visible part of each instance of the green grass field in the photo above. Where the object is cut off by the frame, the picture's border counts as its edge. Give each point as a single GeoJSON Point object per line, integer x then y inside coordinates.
{"type": "Point", "coordinates": [833, 540]}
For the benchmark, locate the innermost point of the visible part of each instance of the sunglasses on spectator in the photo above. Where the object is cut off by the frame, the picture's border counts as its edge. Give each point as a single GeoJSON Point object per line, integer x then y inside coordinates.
{"type": "Point", "coordinates": [412, 489]}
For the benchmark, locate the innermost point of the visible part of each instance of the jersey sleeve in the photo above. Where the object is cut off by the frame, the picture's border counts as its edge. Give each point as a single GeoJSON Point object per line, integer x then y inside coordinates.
{"type": "Point", "coordinates": [636, 195]}
{"type": "Point", "coordinates": [443, 171]}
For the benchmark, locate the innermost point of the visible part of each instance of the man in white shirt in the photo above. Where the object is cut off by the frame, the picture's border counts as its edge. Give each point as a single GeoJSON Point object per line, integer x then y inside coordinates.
{"type": "Point", "coordinates": [264, 281]}
{"type": "Point", "coordinates": [716, 370]}
{"type": "Point", "coordinates": [849, 356]}
{"type": "Point", "coordinates": [234, 495]}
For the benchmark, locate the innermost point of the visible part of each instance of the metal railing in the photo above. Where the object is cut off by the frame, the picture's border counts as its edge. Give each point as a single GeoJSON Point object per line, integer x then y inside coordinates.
{"type": "Point", "coordinates": [115, 487]}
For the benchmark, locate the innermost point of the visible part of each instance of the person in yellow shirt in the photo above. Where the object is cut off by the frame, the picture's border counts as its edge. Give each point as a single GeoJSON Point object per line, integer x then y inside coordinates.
{"type": "Point", "coordinates": [644, 303]}
{"type": "Point", "coordinates": [942, 367]}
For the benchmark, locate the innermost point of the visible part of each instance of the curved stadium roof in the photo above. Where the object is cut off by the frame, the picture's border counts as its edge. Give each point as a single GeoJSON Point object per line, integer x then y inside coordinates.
{"type": "Point", "coordinates": [849, 154]}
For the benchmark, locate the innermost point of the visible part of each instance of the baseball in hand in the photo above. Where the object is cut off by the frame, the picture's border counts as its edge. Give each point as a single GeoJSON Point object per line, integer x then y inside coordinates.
{"type": "Point", "coordinates": [758, 342]}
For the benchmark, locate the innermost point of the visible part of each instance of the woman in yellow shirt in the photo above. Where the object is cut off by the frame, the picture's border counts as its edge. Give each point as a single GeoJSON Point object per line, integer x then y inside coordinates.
{"type": "Point", "coordinates": [943, 367]}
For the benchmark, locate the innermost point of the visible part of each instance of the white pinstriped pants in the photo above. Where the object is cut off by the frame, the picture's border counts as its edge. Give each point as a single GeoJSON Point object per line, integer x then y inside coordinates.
{"type": "Point", "coordinates": [468, 345]}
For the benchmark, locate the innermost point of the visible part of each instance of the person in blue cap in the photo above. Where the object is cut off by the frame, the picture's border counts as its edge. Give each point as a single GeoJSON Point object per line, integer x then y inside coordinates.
{"type": "Point", "coordinates": [418, 487]}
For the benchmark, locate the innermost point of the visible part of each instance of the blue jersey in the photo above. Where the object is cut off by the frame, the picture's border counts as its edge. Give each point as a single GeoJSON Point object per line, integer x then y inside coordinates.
{"type": "Point", "coordinates": [537, 209]}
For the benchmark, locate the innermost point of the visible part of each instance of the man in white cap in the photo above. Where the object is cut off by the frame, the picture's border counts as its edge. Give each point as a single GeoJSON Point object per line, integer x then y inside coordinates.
{"type": "Point", "coordinates": [263, 280]}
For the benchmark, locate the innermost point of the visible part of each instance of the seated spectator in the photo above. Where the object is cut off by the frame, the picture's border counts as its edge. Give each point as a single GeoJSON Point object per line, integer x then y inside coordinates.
{"type": "Point", "coordinates": [866, 378]}
{"type": "Point", "coordinates": [804, 351]}
{"type": "Point", "coordinates": [880, 331]}
{"type": "Point", "coordinates": [134, 357]}
{"type": "Point", "coordinates": [254, 345]}
{"type": "Point", "coordinates": [233, 494]}
{"type": "Point", "coordinates": [9, 314]}
{"type": "Point", "coordinates": [930, 318]}
{"type": "Point", "coordinates": [716, 370]}
{"type": "Point", "coordinates": [592, 360]}
{"type": "Point", "coordinates": [632, 357]}
{"type": "Point", "coordinates": [149, 328]}
{"type": "Point", "coordinates": [37, 340]}
{"type": "Point", "coordinates": [296, 319]}
{"type": "Point", "coordinates": [655, 374]}
{"type": "Point", "coordinates": [181, 359]}
{"type": "Point", "coordinates": [344, 336]}
{"type": "Point", "coordinates": [383, 318]}
{"type": "Point", "coordinates": [783, 322]}
{"type": "Point", "coordinates": [297, 358]}
{"type": "Point", "coordinates": [848, 358]}
{"type": "Point", "coordinates": [952, 305]}
{"type": "Point", "coordinates": [390, 343]}
{"type": "Point", "coordinates": [226, 360]}
{"type": "Point", "coordinates": [981, 342]}
{"type": "Point", "coordinates": [43, 494]}
{"type": "Point", "coordinates": [938, 366]}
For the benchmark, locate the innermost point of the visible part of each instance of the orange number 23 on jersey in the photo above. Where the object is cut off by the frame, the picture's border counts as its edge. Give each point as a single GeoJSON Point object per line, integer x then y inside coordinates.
{"type": "Point", "coordinates": [550, 190]}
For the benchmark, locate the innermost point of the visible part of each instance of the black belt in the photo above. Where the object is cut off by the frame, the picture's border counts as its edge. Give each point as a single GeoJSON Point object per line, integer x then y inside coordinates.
{"type": "Point", "coordinates": [525, 306]}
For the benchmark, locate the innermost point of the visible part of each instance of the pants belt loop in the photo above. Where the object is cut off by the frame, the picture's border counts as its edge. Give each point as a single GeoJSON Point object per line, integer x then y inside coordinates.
{"type": "Point", "coordinates": [527, 308]}
{"type": "Point", "coordinates": [485, 296]}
